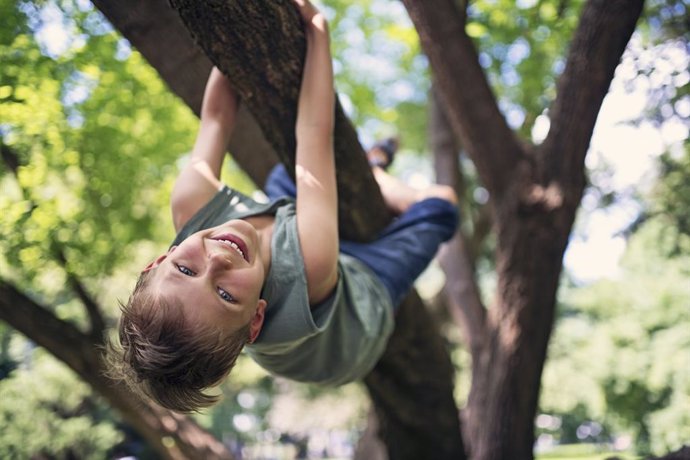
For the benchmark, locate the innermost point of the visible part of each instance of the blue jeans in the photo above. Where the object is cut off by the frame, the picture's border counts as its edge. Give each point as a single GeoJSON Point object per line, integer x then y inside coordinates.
{"type": "Point", "coordinates": [401, 252]}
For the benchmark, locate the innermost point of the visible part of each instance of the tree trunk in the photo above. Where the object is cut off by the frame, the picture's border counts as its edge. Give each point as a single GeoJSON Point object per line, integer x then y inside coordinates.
{"type": "Point", "coordinates": [412, 389]}
{"type": "Point", "coordinates": [534, 194]}
{"type": "Point", "coordinates": [173, 436]}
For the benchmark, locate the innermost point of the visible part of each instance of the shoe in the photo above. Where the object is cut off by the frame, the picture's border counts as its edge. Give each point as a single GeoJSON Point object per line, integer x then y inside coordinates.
{"type": "Point", "coordinates": [382, 153]}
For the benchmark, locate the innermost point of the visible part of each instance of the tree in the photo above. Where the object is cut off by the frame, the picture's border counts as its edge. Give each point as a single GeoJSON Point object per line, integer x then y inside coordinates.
{"type": "Point", "coordinates": [534, 190]}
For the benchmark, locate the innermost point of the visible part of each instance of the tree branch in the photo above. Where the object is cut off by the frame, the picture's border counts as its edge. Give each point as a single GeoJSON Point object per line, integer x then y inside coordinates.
{"type": "Point", "coordinates": [96, 322]}
{"type": "Point", "coordinates": [470, 103]}
{"type": "Point", "coordinates": [412, 388]}
{"type": "Point", "coordinates": [601, 37]}
{"type": "Point", "coordinates": [464, 301]}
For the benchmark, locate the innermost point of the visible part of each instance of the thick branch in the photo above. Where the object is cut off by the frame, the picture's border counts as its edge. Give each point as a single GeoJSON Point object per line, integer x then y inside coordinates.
{"type": "Point", "coordinates": [603, 32]}
{"type": "Point", "coordinates": [411, 382]}
{"type": "Point", "coordinates": [471, 106]}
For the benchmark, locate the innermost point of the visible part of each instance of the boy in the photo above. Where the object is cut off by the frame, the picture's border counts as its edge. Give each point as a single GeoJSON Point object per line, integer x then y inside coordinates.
{"type": "Point", "coordinates": [274, 276]}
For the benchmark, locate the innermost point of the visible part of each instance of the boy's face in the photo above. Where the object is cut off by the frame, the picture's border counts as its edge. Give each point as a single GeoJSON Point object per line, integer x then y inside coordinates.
{"type": "Point", "coordinates": [217, 274]}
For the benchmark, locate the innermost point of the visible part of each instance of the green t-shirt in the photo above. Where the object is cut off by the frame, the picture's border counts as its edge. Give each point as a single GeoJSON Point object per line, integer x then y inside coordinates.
{"type": "Point", "coordinates": [338, 341]}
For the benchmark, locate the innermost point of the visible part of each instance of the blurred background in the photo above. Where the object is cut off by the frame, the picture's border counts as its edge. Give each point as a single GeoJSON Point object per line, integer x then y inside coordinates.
{"type": "Point", "coordinates": [91, 140]}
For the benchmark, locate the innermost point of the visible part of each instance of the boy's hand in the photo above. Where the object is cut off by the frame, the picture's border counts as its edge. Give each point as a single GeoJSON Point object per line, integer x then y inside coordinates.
{"type": "Point", "coordinates": [310, 14]}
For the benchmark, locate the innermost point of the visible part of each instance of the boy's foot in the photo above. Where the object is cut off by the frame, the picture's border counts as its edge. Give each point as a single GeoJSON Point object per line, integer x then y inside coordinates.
{"type": "Point", "coordinates": [399, 196]}
{"type": "Point", "coordinates": [382, 153]}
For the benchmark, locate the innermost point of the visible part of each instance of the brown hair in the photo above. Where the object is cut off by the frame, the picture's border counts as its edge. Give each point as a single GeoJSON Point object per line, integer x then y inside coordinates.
{"type": "Point", "coordinates": [166, 358]}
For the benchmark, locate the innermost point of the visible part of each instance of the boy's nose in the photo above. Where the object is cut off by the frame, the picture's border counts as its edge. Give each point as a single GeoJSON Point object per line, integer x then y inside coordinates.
{"type": "Point", "coordinates": [219, 261]}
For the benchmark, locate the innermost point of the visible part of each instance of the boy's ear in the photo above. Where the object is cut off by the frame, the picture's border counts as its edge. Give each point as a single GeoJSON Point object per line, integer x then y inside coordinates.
{"type": "Point", "coordinates": [257, 321]}
{"type": "Point", "coordinates": [159, 260]}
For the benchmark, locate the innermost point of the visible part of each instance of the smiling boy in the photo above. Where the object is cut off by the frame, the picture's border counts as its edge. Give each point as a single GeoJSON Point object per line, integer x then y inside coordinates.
{"type": "Point", "coordinates": [273, 275]}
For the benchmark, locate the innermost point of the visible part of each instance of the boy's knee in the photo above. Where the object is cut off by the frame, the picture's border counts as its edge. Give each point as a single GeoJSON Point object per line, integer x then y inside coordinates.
{"type": "Point", "coordinates": [443, 192]}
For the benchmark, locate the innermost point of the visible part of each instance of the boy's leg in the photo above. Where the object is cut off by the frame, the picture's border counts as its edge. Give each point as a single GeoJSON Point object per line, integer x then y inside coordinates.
{"type": "Point", "coordinates": [406, 247]}
{"type": "Point", "coordinates": [399, 196]}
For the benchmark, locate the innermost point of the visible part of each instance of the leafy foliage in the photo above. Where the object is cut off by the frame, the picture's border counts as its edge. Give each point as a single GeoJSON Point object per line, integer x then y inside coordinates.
{"type": "Point", "coordinates": [91, 130]}
{"type": "Point", "coordinates": [380, 75]}
{"type": "Point", "coordinates": [48, 401]}
{"type": "Point", "coordinates": [522, 47]}
{"type": "Point", "coordinates": [89, 137]}
{"type": "Point", "coordinates": [673, 198]}
{"type": "Point", "coordinates": [627, 340]}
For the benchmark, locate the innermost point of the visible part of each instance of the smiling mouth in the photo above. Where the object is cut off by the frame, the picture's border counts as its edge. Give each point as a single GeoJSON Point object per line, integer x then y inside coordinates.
{"type": "Point", "coordinates": [235, 243]}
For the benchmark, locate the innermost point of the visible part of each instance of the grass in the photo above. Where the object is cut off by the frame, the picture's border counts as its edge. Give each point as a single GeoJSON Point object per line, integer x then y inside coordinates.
{"type": "Point", "coordinates": [581, 452]}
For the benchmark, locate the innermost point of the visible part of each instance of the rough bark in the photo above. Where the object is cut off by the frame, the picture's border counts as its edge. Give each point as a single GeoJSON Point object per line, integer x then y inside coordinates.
{"type": "Point", "coordinates": [534, 196]}
{"type": "Point", "coordinates": [173, 436]}
{"type": "Point", "coordinates": [412, 390]}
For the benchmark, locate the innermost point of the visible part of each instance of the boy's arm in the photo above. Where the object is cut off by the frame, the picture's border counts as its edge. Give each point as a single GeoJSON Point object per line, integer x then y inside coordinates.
{"type": "Point", "coordinates": [317, 201]}
{"type": "Point", "coordinates": [199, 180]}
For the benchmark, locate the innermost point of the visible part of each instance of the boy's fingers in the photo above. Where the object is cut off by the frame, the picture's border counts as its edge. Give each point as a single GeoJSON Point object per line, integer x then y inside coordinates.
{"type": "Point", "coordinates": [306, 9]}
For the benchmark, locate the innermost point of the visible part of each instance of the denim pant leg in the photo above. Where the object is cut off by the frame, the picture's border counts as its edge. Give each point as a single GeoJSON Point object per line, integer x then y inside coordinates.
{"type": "Point", "coordinates": [406, 247]}
{"type": "Point", "coordinates": [279, 183]}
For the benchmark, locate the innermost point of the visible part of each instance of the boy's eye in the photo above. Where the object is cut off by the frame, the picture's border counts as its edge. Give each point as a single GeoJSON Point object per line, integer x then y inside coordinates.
{"type": "Point", "coordinates": [185, 271]}
{"type": "Point", "coordinates": [225, 295]}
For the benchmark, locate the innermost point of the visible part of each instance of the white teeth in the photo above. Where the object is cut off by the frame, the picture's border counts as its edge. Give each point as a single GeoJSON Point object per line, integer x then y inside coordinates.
{"type": "Point", "coordinates": [234, 246]}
